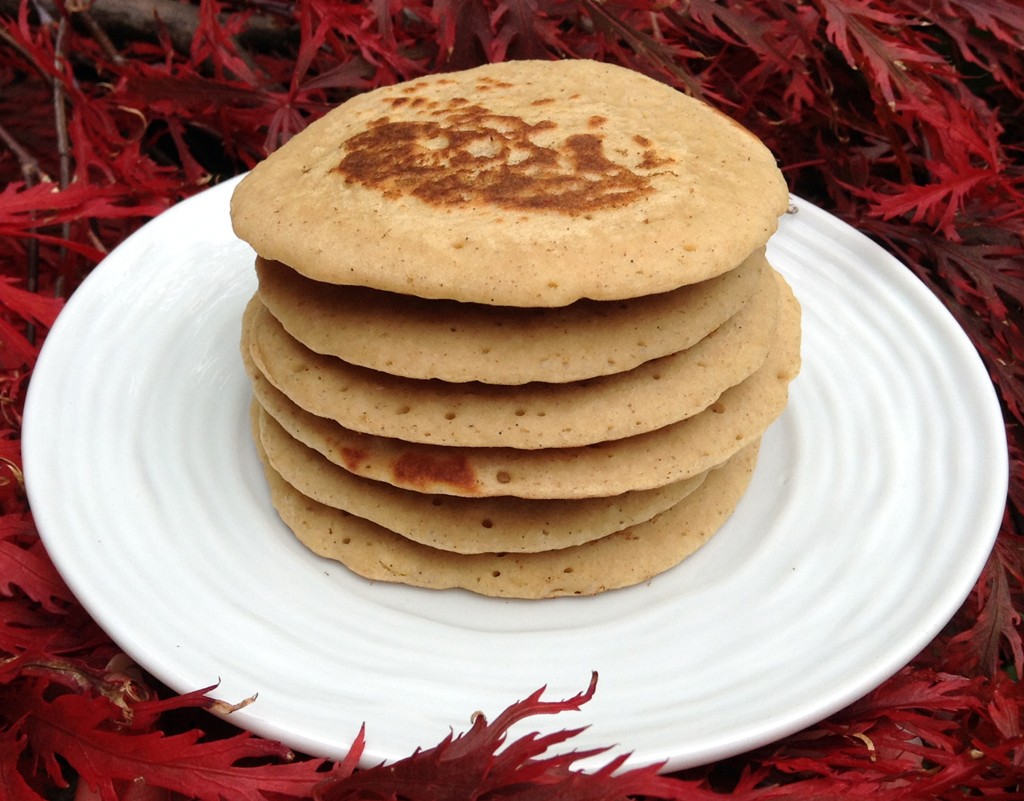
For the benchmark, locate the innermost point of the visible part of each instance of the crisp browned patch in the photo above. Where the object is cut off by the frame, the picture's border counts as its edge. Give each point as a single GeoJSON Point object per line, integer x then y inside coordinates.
{"type": "Point", "coordinates": [465, 154]}
{"type": "Point", "coordinates": [353, 458]}
{"type": "Point", "coordinates": [422, 470]}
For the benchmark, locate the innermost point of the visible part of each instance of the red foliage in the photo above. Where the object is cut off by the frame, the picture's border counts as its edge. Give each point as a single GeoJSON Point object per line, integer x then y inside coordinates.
{"type": "Point", "coordinates": [475, 766]}
{"type": "Point", "coordinates": [904, 117]}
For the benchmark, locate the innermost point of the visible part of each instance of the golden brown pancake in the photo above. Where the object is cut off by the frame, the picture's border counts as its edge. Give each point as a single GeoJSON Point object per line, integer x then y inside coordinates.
{"type": "Point", "coordinates": [515, 330]}
{"type": "Point", "coordinates": [525, 183]}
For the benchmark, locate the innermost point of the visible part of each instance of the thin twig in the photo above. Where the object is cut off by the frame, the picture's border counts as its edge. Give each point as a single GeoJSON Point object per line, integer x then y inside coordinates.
{"type": "Point", "coordinates": [60, 112]}
{"type": "Point", "coordinates": [100, 35]}
{"type": "Point", "coordinates": [30, 169]}
{"type": "Point", "coordinates": [60, 115]}
{"type": "Point", "coordinates": [32, 174]}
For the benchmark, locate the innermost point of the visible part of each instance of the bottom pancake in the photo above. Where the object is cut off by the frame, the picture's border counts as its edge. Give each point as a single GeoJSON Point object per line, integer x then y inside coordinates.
{"type": "Point", "coordinates": [622, 559]}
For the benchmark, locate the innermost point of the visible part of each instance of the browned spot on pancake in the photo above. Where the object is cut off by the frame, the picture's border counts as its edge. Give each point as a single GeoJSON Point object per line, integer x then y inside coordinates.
{"type": "Point", "coordinates": [412, 102]}
{"type": "Point", "coordinates": [492, 83]}
{"type": "Point", "coordinates": [597, 121]}
{"type": "Point", "coordinates": [470, 155]}
{"type": "Point", "coordinates": [542, 101]}
{"type": "Point", "coordinates": [353, 458]}
{"type": "Point", "coordinates": [652, 161]}
{"type": "Point", "coordinates": [423, 470]}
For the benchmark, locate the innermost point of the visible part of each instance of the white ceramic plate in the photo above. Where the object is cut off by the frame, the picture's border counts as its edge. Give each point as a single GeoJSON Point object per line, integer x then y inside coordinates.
{"type": "Point", "coordinates": [875, 503]}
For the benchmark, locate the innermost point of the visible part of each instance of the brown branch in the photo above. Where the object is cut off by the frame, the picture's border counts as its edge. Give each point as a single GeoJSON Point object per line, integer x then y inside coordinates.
{"type": "Point", "coordinates": [135, 19]}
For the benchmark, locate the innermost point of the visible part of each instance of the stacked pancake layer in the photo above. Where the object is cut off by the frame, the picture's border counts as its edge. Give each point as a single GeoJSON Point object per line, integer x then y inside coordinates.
{"type": "Point", "coordinates": [503, 421]}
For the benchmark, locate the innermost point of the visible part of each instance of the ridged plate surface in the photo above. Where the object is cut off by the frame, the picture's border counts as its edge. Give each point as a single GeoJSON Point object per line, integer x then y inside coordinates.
{"type": "Point", "coordinates": [875, 503]}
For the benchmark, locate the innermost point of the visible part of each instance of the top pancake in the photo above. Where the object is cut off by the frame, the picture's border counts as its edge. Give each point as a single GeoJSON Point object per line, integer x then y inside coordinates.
{"type": "Point", "coordinates": [527, 183]}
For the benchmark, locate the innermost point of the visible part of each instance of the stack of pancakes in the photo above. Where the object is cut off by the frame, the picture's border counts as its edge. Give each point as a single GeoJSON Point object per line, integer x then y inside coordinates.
{"type": "Point", "coordinates": [515, 330]}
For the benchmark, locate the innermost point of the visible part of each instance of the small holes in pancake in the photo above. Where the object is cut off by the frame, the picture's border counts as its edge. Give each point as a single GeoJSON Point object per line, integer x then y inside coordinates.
{"type": "Point", "coordinates": [449, 416]}
{"type": "Point", "coordinates": [520, 412]}
{"type": "Point", "coordinates": [717, 407]}
{"type": "Point", "coordinates": [503, 477]}
{"type": "Point", "coordinates": [487, 523]}
{"type": "Point", "coordinates": [403, 410]}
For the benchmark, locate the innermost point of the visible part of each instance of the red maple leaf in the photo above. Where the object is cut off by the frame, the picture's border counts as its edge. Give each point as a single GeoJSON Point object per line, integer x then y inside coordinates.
{"type": "Point", "coordinates": [463, 33]}
{"type": "Point", "coordinates": [523, 30]}
{"type": "Point", "coordinates": [28, 567]}
{"type": "Point", "coordinates": [881, 42]}
{"type": "Point", "coordinates": [937, 203]}
{"type": "Point", "coordinates": [991, 39]}
{"type": "Point", "coordinates": [474, 765]}
{"type": "Point", "coordinates": [994, 636]}
{"type": "Point", "coordinates": [88, 733]}
{"type": "Point", "coordinates": [13, 786]}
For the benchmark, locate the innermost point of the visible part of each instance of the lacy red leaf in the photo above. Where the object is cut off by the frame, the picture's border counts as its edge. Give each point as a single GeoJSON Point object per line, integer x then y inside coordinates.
{"type": "Point", "coordinates": [474, 765]}
{"type": "Point", "coordinates": [84, 732]}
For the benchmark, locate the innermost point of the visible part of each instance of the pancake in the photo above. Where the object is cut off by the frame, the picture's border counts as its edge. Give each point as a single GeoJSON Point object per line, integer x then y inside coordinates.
{"type": "Point", "coordinates": [653, 395]}
{"type": "Point", "coordinates": [452, 341]}
{"type": "Point", "coordinates": [622, 559]}
{"type": "Point", "coordinates": [673, 453]}
{"type": "Point", "coordinates": [524, 183]}
{"type": "Point", "coordinates": [462, 525]}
